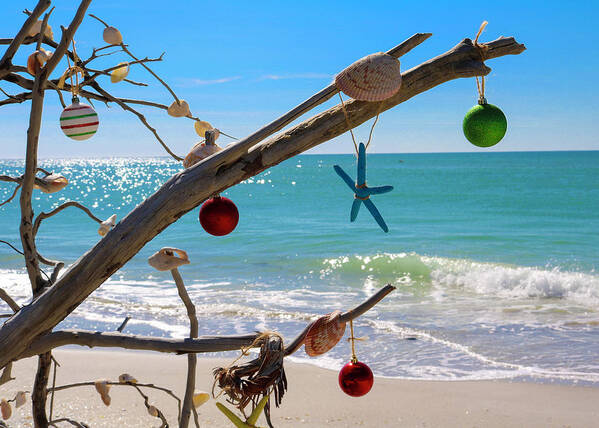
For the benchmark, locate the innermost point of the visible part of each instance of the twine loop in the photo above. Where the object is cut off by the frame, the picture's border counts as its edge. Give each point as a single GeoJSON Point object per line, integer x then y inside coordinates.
{"type": "Point", "coordinates": [346, 115]}
{"type": "Point", "coordinates": [482, 50]}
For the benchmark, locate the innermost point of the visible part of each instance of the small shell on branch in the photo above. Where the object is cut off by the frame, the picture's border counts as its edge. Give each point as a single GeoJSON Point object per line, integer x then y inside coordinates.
{"type": "Point", "coordinates": [168, 259]}
{"type": "Point", "coordinates": [106, 399]}
{"type": "Point", "coordinates": [324, 334]}
{"type": "Point", "coordinates": [37, 27]}
{"type": "Point", "coordinates": [179, 110]}
{"type": "Point", "coordinates": [127, 378]}
{"type": "Point", "coordinates": [119, 74]}
{"type": "Point", "coordinates": [102, 386]}
{"type": "Point", "coordinates": [20, 399]}
{"type": "Point", "coordinates": [153, 411]}
{"type": "Point", "coordinates": [36, 61]}
{"type": "Point", "coordinates": [106, 225]}
{"type": "Point", "coordinates": [200, 152]}
{"type": "Point", "coordinates": [201, 127]}
{"type": "Point", "coordinates": [375, 77]}
{"type": "Point", "coordinates": [51, 183]}
{"type": "Point", "coordinates": [112, 36]}
{"type": "Point", "coordinates": [5, 409]}
{"type": "Point", "coordinates": [200, 397]}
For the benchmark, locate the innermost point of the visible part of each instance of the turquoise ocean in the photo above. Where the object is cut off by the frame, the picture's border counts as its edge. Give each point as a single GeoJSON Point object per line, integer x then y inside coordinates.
{"type": "Point", "coordinates": [495, 257]}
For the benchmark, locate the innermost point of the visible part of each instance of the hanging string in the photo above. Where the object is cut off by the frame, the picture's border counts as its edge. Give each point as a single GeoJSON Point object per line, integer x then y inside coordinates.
{"type": "Point", "coordinates": [352, 339]}
{"type": "Point", "coordinates": [71, 70]}
{"type": "Point", "coordinates": [350, 127]}
{"type": "Point", "coordinates": [480, 86]}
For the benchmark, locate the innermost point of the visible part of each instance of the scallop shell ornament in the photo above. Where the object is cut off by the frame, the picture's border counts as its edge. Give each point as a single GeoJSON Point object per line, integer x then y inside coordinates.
{"type": "Point", "coordinates": [119, 74]}
{"type": "Point", "coordinates": [112, 36]}
{"type": "Point", "coordinates": [79, 121]}
{"type": "Point", "coordinates": [179, 110]}
{"type": "Point", "coordinates": [51, 183]}
{"type": "Point", "coordinates": [375, 77]}
{"type": "Point", "coordinates": [324, 334]}
{"type": "Point", "coordinates": [200, 152]}
{"type": "Point", "coordinates": [168, 259]}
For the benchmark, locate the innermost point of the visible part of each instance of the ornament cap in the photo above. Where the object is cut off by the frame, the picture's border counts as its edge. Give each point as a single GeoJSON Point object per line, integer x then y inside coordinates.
{"type": "Point", "coordinates": [75, 99]}
{"type": "Point", "coordinates": [482, 101]}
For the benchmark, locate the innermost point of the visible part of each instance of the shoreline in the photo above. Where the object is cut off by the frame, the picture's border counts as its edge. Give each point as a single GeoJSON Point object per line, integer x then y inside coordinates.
{"type": "Point", "coordinates": [313, 397]}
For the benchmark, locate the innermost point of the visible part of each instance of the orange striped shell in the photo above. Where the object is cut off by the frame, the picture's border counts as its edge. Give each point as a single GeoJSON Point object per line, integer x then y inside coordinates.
{"type": "Point", "coordinates": [324, 334]}
{"type": "Point", "coordinates": [375, 77]}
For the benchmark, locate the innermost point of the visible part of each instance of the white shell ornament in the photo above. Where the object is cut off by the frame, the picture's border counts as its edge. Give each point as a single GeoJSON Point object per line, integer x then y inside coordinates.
{"type": "Point", "coordinates": [179, 110]}
{"type": "Point", "coordinates": [200, 152]}
{"type": "Point", "coordinates": [324, 334]}
{"type": "Point", "coordinates": [119, 74]}
{"type": "Point", "coordinates": [105, 227]}
{"type": "Point", "coordinates": [112, 36]}
{"type": "Point", "coordinates": [20, 399]}
{"type": "Point", "coordinates": [51, 183]}
{"type": "Point", "coordinates": [36, 28]}
{"type": "Point", "coordinates": [79, 121]}
{"type": "Point", "coordinates": [168, 259]}
{"type": "Point", "coordinates": [127, 378]}
{"type": "Point", "coordinates": [36, 61]}
{"type": "Point", "coordinates": [375, 77]}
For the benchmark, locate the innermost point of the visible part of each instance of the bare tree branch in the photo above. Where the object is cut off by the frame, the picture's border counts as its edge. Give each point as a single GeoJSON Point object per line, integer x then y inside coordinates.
{"type": "Point", "coordinates": [9, 300]}
{"type": "Point", "coordinates": [11, 197]}
{"type": "Point", "coordinates": [42, 216]}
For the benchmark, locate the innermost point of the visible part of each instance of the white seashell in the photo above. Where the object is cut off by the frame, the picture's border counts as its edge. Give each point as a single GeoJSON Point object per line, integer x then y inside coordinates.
{"type": "Point", "coordinates": [168, 258]}
{"type": "Point", "coordinates": [120, 73]}
{"type": "Point", "coordinates": [20, 399]}
{"type": "Point", "coordinates": [127, 378]}
{"type": "Point", "coordinates": [37, 26]}
{"type": "Point", "coordinates": [375, 77]}
{"type": "Point", "coordinates": [5, 409]}
{"type": "Point", "coordinates": [200, 152]}
{"type": "Point", "coordinates": [179, 110]}
{"type": "Point", "coordinates": [153, 411]}
{"type": "Point", "coordinates": [51, 183]}
{"type": "Point", "coordinates": [106, 225]}
{"type": "Point", "coordinates": [112, 36]}
{"type": "Point", "coordinates": [200, 397]}
{"type": "Point", "coordinates": [201, 127]}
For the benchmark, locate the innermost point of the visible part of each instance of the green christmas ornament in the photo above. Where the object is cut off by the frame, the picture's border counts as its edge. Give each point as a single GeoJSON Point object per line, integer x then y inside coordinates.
{"type": "Point", "coordinates": [484, 124]}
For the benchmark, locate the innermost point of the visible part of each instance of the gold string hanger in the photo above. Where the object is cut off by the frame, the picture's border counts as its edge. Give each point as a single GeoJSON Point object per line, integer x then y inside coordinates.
{"type": "Point", "coordinates": [480, 86]}
{"type": "Point", "coordinates": [352, 339]}
{"type": "Point", "coordinates": [70, 71]}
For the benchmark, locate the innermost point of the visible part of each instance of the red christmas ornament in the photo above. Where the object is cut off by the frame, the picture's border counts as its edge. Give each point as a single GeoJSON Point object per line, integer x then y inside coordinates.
{"type": "Point", "coordinates": [356, 379]}
{"type": "Point", "coordinates": [219, 216]}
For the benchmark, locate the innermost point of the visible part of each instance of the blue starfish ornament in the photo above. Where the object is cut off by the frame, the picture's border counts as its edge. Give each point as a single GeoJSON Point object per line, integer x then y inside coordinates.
{"type": "Point", "coordinates": [361, 191]}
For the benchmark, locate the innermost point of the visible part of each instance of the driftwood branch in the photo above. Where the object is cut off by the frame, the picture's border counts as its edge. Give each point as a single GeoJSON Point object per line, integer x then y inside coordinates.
{"type": "Point", "coordinates": [9, 300]}
{"type": "Point", "coordinates": [191, 358]}
{"type": "Point", "coordinates": [188, 189]}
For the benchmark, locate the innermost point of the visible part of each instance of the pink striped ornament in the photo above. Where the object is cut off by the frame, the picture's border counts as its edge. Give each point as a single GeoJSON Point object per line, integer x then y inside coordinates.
{"type": "Point", "coordinates": [79, 121]}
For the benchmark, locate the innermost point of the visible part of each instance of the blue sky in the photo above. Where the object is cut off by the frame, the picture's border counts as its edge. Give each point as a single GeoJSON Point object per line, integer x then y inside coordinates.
{"type": "Point", "coordinates": [242, 64]}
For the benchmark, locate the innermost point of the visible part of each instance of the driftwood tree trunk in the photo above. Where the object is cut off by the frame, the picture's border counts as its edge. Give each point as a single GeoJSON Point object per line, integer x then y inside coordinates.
{"type": "Point", "coordinates": [188, 189]}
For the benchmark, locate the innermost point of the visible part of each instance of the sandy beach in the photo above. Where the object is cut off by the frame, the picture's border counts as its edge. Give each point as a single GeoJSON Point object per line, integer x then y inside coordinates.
{"type": "Point", "coordinates": [313, 398]}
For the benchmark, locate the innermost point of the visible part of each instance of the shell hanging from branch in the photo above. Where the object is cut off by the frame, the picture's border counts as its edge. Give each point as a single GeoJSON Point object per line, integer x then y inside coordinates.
{"type": "Point", "coordinates": [200, 152]}
{"type": "Point", "coordinates": [200, 397]}
{"type": "Point", "coordinates": [36, 61]}
{"type": "Point", "coordinates": [119, 74]}
{"type": "Point", "coordinates": [324, 334]}
{"type": "Point", "coordinates": [103, 387]}
{"type": "Point", "coordinates": [51, 183]}
{"type": "Point", "coordinates": [168, 259]}
{"type": "Point", "coordinates": [112, 36]}
{"type": "Point", "coordinates": [37, 27]}
{"type": "Point", "coordinates": [20, 399]}
{"type": "Point", "coordinates": [375, 77]}
{"type": "Point", "coordinates": [5, 409]}
{"type": "Point", "coordinates": [180, 109]}
{"type": "Point", "coordinates": [127, 378]}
